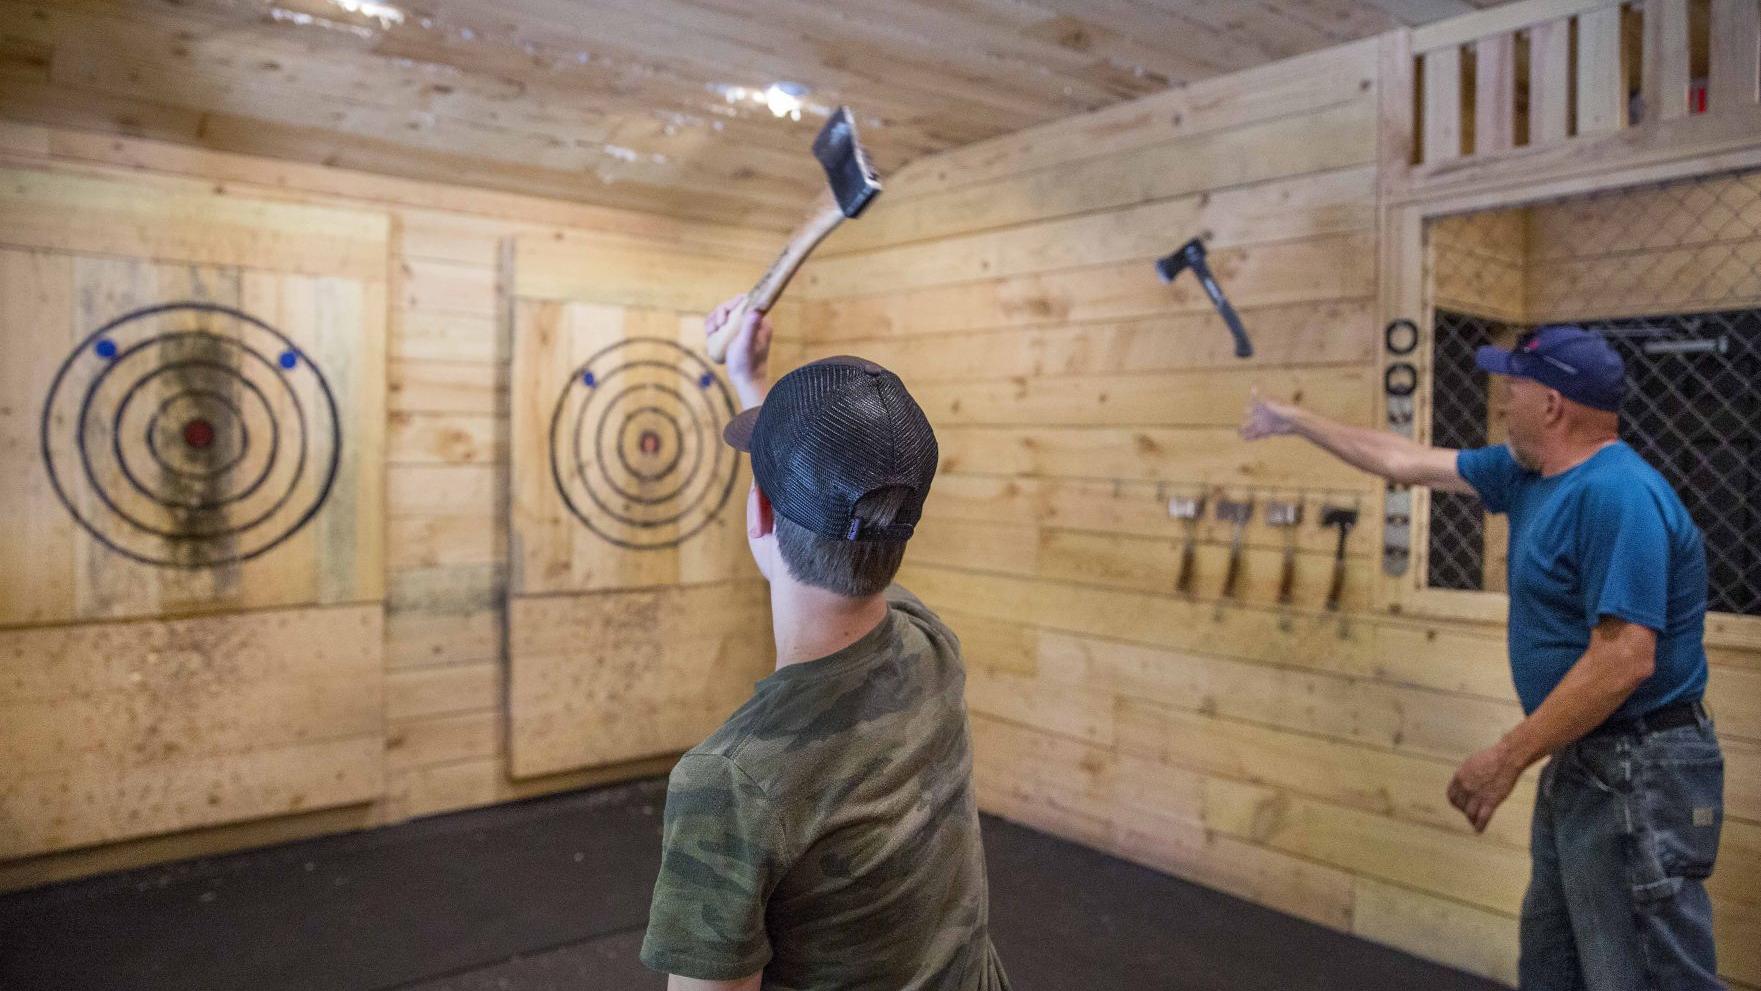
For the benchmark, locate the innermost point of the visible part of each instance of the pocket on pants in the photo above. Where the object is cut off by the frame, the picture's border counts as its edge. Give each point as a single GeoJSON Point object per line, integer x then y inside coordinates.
{"type": "Point", "coordinates": [1679, 796]}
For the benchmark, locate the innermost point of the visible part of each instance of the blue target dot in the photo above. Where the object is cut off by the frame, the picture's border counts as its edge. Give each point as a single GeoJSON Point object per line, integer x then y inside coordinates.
{"type": "Point", "coordinates": [588, 380]}
{"type": "Point", "coordinates": [106, 348]}
{"type": "Point", "coordinates": [289, 359]}
{"type": "Point", "coordinates": [706, 381]}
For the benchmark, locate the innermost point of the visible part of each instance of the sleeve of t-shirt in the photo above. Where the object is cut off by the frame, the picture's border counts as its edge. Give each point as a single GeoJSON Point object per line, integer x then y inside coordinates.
{"type": "Point", "coordinates": [1623, 554]}
{"type": "Point", "coordinates": [721, 857]}
{"type": "Point", "coordinates": [1493, 472]}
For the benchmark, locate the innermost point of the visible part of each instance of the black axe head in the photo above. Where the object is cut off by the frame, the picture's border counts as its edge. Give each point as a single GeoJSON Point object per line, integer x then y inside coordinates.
{"type": "Point", "coordinates": [1189, 255]}
{"type": "Point", "coordinates": [846, 163]}
{"type": "Point", "coordinates": [1192, 255]}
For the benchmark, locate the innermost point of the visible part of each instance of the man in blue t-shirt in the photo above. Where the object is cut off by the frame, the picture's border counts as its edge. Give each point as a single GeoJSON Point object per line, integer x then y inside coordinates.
{"type": "Point", "coordinates": [1607, 609]}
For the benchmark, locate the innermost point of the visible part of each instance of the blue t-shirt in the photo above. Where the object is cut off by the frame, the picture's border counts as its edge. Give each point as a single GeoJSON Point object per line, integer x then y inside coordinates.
{"type": "Point", "coordinates": [1606, 538]}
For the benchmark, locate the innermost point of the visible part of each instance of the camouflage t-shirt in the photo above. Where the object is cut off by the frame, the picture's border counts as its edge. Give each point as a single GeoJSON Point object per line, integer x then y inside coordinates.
{"type": "Point", "coordinates": [827, 833]}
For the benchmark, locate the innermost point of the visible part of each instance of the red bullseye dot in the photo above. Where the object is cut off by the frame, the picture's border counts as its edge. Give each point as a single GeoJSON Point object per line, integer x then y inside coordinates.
{"type": "Point", "coordinates": [649, 442]}
{"type": "Point", "coordinates": [198, 433]}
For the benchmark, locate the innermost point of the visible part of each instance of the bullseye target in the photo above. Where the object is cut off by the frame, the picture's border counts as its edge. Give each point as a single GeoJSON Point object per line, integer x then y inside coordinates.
{"type": "Point", "coordinates": [635, 443]}
{"type": "Point", "coordinates": [190, 435]}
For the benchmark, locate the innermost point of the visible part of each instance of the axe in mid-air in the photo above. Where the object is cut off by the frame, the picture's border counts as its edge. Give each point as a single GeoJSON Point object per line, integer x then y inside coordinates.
{"type": "Point", "coordinates": [1192, 255]}
{"type": "Point", "coordinates": [853, 184]}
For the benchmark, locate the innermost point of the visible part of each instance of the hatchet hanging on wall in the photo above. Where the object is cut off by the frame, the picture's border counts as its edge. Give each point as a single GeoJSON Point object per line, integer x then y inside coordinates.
{"type": "Point", "coordinates": [1192, 255]}
{"type": "Point", "coordinates": [853, 185]}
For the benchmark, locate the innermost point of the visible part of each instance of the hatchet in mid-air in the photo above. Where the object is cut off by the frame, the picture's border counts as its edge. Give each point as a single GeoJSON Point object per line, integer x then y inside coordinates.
{"type": "Point", "coordinates": [1192, 255]}
{"type": "Point", "coordinates": [853, 184]}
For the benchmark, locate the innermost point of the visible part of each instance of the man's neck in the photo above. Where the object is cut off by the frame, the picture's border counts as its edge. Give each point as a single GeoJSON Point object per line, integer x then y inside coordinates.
{"type": "Point", "coordinates": [809, 623]}
{"type": "Point", "coordinates": [1573, 451]}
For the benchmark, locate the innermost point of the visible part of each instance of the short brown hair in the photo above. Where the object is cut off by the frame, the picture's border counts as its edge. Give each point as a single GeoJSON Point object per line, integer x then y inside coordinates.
{"type": "Point", "coordinates": [852, 568]}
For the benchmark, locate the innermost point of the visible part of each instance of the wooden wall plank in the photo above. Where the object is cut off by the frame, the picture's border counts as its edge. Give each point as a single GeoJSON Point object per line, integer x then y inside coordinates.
{"type": "Point", "coordinates": [1601, 72]}
{"type": "Point", "coordinates": [423, 386]}
{"type": "Point", "coordinates": [37, 564]}
{"type": "Point", "coordinates": [1135, 562]}
{"type": "Point", "coordinates": [433, 789]}
{"type": "Point", "coordinates": [289, 178]}
{"type": "Point", "coordinates": [417, 743]}
{"type": "Point", "coordinates": [1213, 397]}
{"type": "Point", "coordinates": [1321, 333]}
{"type": "Point", "coordinates": [1291, 86]}
{"type": "Point", "coordinates": [417, 639]}
{"type": "Point", "coordinates": [1496, 20]}
{"type": "Point", "coordinates": [444, 438]}
{"type": "Point", "coordinates": [1335, 202]}
{"type": "Point", "coordinates": [1188, 455]}
{"type": "Point", "coordinates": [1138, 509]}
{"type": "Point", "coordinates": [1549, 81]}
{"type": "Point", "coordinates": [1474, 939]}
{"type": "Point", "coordinates": [442, 690]}
{"type": "Point", "coordinates": [1735, 55]}
{"type": "Point", "coordinates": [627, 272]}
{"type": "Point", "coordinates": [635, 674]}
{"type": "Point", "coordinates": [1321, 140]}
{"type": "Point", "coordinates": [1327, 268]}
{"type": "Point", "coordinates": [145, 727]}
{"type": "Point", "coordinates": [440, 489]}
{"type": "Point", "coordinates": [1663, 84]}
{"type": "Point", "coordinates": [1494, 94]}
{"type": "Point", "coordinates": [98, 805]}
{"type": "Point", "coordinates": [1443, 105]}
{"type": "Point", "coordinates": [60, 212]}
{"type": "Point", "coordinates": [431, 286]}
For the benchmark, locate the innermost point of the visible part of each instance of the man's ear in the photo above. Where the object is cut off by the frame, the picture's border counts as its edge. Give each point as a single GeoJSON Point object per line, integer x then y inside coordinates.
{"type": "Point", "coordinates": [760, 519]}
{"type": "Point", "coordinates": [1555, 406]}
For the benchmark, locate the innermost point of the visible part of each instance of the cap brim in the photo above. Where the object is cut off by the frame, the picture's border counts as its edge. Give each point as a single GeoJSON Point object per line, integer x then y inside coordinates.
{"type": "Point", "coordinates": [738, 432]}
{"type": "Point", "coordinates": [1494, 360]}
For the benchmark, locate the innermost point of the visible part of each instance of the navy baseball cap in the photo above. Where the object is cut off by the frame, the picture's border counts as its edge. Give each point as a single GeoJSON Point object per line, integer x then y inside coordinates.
{"type": "Point", "coordinates": [1579, 364]}
{"type": "Point", "coordinates": [831, 432]}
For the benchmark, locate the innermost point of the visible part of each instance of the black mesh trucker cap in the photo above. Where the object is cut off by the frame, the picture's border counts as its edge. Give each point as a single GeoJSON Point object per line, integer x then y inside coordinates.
{"type": "Point", "coordinates": [831, 432]}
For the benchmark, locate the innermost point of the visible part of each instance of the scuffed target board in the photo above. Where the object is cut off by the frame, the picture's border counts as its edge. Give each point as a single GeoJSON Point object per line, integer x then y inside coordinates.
{"type": "Point", "coordinates": [621, 479]}
{"type": "Point", "coordinates": [636, 619]}
{"type": "Point", "coordinates": [191, 435]}
{"type": "Point", "coordinates": [188, 438]}
{"type": "Point", "coordinates": [192, 414]}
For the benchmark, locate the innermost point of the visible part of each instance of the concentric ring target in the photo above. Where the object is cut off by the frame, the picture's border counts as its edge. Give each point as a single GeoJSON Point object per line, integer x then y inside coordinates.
{"type": "Point", "coordinates": [635, 443]}
{"type": "Point", "coordinates": [190, 435]}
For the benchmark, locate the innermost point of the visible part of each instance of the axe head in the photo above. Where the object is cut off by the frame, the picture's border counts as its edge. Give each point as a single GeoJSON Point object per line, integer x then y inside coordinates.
{"type": "Point", "coordinates": [1189, 255]}
{"type": "Point", "coordinates": [846, 163]}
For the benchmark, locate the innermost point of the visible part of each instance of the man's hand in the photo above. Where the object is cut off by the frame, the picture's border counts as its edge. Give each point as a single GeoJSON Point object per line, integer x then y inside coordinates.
{"type": "Point", "coordinates": [748, 352]}
{"type": "Point", "coordinates": [1483, 782]}
{"type": "Point", "coordinates": [1266, 418]}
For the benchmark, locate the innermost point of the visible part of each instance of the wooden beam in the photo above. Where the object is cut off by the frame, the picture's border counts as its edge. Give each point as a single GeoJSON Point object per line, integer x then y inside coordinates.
{"type": "Point", "coordinates": [1502, 19]}
{"type": "Point", "coordinates": [1601, 72]}
{"type": "Point", "coordinates": [1549, 82]}
{"type": "Point", "coordinates": [1442, 105]}
{"type": "Point", "coordinates": [1735, 54]}
{"type": "Point", "coordinates": [1494, 94]}
{"type": "Point", "coordinates": [1664, 85]}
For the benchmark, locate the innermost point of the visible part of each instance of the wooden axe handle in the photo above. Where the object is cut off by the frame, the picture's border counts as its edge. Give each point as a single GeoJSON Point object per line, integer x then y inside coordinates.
{"type": "Point", "coordinates": [825, 218]}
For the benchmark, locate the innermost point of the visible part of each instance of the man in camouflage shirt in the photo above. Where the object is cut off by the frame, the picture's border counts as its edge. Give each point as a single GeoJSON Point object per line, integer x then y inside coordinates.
{"type": "Point", "coordinates": [826, 836]}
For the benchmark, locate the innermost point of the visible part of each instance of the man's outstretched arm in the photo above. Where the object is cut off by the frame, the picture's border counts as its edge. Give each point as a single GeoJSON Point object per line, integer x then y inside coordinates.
{"type": "Point", "coordinates": [1376, 451]}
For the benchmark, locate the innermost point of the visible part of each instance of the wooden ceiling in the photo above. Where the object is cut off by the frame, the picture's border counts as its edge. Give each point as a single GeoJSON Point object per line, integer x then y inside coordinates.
{"type": "Point", "coordinates": [648, 104]}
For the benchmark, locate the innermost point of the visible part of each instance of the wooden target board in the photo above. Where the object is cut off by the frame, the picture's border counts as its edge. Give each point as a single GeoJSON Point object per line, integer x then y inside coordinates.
{"type": "Point", "coordinates": [636, 620]}
{"type": "Point", "coordinates": [192, 411]}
